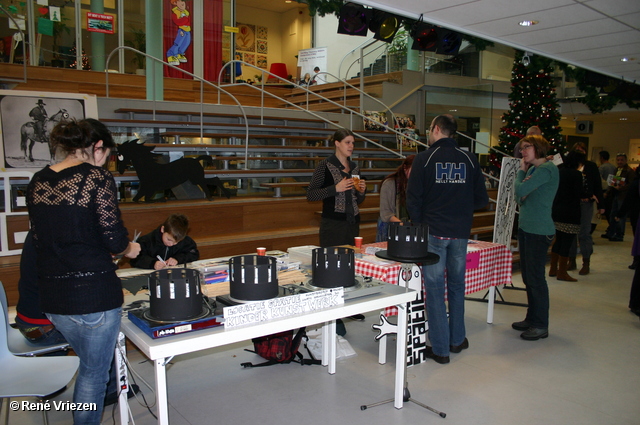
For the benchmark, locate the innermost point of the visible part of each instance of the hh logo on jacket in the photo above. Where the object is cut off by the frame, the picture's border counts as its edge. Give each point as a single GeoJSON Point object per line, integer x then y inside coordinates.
{"type": "Point", "coordinates": [449, 172]}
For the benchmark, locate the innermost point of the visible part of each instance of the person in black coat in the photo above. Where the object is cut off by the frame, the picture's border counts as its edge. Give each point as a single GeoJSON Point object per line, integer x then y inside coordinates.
{"type": "Point", "coordinates": [566, 215]}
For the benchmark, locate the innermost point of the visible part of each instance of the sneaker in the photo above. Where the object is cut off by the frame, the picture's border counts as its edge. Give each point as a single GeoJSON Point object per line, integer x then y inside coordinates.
{"type": "Point", "coordinates": [113, 398]}
{"type": "Point", "coordinates": [534, 334]}
{"type": "Point", "coordinates": [428, 352]}
{"type": "Point", "coordinates": [458, 348]}
{"type": "Point", "coordinates": [521, 326]}
{"type": "Point", "coordinates": [182, 58]}
{"type": "Point", "coordinates": [173, 60]}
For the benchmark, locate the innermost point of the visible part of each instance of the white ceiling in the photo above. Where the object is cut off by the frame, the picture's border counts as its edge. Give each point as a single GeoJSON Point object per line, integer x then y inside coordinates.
{"type": "Point", "coordinates": [591, 34]}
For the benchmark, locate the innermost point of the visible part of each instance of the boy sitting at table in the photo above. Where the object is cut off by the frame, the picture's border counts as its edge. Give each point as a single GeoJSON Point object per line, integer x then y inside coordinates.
{"type": "Point", "coordinates": [167, 246]}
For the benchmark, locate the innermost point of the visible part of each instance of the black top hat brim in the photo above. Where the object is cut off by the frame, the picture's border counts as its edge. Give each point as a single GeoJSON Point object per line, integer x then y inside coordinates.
{"type": "Point", "coordinates": [428, 260]}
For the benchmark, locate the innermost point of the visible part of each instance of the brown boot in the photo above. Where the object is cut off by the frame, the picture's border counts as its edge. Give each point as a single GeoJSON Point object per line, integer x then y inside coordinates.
{"type": "Point", "coordinates": [562, 270]}
{"type": "Point", "coordinates": [553, 269]}
{"type": "Point", "coordinates": [572, 264]}
{"type": "Point", "coordinates": [585, 268]}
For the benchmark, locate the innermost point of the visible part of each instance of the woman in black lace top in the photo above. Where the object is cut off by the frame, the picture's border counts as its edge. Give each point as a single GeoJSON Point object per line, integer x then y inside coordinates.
{"type": "Point", "coordinates": [332, 183]}
{"type": "Point", "coordinates": [74, 214]}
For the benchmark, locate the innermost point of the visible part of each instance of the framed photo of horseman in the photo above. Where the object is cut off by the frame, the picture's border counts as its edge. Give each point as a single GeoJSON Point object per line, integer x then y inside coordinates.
{"type": "Point", "coordinates": [27, 118]}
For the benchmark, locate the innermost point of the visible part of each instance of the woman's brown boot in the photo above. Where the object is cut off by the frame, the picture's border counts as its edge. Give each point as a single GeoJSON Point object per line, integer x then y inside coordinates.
{"type": "Point", "coordinates": [585, 268]}
{"type": "Point", "coordinates": [562, 270]}
{"type": "Point", "coordinates": [553, 269]}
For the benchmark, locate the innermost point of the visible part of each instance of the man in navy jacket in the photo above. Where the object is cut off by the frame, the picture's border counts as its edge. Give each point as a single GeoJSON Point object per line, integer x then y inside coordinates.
{"type": "Point", "coordinates": [445, 187]}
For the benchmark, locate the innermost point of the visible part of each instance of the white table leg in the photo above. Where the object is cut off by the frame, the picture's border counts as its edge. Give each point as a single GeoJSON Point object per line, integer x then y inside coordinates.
{"type": "Point", "coordinates": [401, 355]}
{"type": "Point", "coordinates": [333, 347]}
{"type": "Point", "coordinates": [325, 344]}
{"type": "Point", "coordinates": [162, 409]}
{"type": "Point", "coordinates": [490, 304]}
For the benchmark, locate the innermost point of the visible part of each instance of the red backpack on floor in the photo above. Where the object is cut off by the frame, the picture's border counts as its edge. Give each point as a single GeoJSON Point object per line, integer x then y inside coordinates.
{"type": "Point", "coordinates": [280, 348]}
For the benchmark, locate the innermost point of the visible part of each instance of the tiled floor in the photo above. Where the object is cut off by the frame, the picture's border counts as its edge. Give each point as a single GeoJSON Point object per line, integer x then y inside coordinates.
{"type": "Point", "coordinates": [587, 372]}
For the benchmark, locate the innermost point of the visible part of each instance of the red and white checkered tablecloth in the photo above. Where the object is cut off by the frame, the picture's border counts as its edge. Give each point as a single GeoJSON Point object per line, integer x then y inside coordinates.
{"type": "Point", "coordinates": [488, 264]}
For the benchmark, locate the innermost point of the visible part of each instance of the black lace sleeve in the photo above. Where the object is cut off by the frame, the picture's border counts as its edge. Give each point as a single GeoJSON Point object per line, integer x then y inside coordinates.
{"type": "Point", "coordinates": [114, 234]}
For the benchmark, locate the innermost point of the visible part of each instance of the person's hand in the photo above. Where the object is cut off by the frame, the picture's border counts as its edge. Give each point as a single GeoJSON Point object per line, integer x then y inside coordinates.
{"type": "Point", "coordinates": [523, 165]}
{"type": "Point", "coordinates": [171, 262]}
{"type": "Point", "coordinates": [133, 250]}
{"type": "Point", "coordinates": [159, 265]}
{"type": "Point", "coordinates": [362, 186]}
{"type": "Point", "coordinates": [344, 185]}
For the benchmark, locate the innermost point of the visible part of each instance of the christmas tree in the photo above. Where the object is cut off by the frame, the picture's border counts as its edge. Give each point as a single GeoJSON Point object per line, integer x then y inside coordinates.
{"type": "Point", "coordinates": [532, 102]}
{"type": "Point", "coordinates": [85, 59]}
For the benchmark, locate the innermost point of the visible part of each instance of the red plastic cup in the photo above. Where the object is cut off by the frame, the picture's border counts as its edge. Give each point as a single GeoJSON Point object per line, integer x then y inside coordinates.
{"type": "Point", "coordinates": [358, 241]}
{"type": "Point", "coordinates": [261, 251]}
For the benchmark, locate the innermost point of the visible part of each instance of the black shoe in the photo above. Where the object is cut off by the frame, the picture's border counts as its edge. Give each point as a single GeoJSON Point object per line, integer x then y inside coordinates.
{"type": "Point", "coordinates": [605, 236]}
{"type": "Point", "coordinates": [521, 326]}
{"type": "Point", "coordinates": [113, 398]}
{"type": "Point", "coordinates": [428, 352]}
{"type": "Point", "coordinates": [357, 317]}
{"type": "Point", "coordinates": [616, 239]}
{"type": "Point", "coordinates": [458, 348]}
{"type": "Point", "coordinates": [340, 328]}
{"type": "Point", "coordinates": [534, 334]}
{"type": "Point", "coordinates": [635, 311]}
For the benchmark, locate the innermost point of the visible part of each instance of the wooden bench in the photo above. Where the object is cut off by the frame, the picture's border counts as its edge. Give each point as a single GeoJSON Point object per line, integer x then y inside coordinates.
{"type": "Point", "coordinates": [366, 214]}
{"type": "Point", "coordinates": [277, 187]}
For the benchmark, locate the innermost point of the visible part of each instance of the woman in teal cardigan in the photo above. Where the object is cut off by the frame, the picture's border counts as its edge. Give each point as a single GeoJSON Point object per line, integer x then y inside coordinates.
{"type": "Point", "coordinates": [535, 188]}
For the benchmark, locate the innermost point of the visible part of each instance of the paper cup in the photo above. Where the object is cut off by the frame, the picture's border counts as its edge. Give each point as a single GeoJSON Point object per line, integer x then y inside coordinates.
{"type": "Point", "coordinates": [261, 251]}
{"type": "Point", "coordinates": [358, 241]}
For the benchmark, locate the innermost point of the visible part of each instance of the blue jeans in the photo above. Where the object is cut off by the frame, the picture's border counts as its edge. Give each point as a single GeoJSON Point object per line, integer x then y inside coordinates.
{"type": "Point", "coordinates": [383, 231]}
{"type": "Point", "coordinates": [453, 257]}
{"type": "Point", "coordinates": [93, 338]}
{"type": "Point", "coordinates": [533, 258]}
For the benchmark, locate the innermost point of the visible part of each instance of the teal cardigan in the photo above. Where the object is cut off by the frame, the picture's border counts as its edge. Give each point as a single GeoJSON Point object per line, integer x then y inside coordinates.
{"type": "Point", "coordinates": [535, 192]}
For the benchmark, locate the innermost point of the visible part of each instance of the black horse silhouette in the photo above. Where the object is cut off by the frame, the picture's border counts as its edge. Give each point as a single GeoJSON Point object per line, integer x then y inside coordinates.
{"type": "Point", "coordinates": [155, 177]}
{"type": "Point", "coordinates": [28, 132]}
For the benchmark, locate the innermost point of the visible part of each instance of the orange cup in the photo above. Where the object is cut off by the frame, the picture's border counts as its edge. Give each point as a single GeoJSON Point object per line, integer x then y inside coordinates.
{"type": "Point", "coordinates": [358, 241]}
{"type": "Point", "coordinates": [261, 251]}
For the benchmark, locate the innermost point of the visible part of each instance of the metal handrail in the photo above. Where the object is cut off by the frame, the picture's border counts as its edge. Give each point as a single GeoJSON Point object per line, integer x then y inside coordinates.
{"type": "Point", "coordinates": [319, 96]}
{"type": "Point", "coordinates": [202, 82]}
{"type": "Point", "coordinates": [24, 49]}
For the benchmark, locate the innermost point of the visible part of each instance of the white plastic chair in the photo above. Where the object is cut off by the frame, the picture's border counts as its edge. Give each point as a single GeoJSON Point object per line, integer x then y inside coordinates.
{"type": "Point", "coordinates": [31, 376]}
{"type": "Point", "coordinates": [17, 343]}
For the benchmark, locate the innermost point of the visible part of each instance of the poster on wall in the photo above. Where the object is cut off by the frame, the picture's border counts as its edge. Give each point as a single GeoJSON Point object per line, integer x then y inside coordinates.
{"type": "Point", "coordinates": [27, 118]}
{"type": "Point", "coordinates": [313, 62]}
{"type": "Point", "coordinates": [181, 18]}
{"type": "Point", "coordinates": [246, 38]}
{"type": "Point", "coordinates": [98, 22]}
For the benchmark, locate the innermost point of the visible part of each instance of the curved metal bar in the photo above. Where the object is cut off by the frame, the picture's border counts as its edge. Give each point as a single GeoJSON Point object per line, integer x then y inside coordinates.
{"type": "Point", "coordinates": [24, 49]}
{"type": "Point", "coordinates": [202, 82]}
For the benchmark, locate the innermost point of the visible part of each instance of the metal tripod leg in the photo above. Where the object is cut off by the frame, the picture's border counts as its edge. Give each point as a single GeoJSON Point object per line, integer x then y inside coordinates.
{"type": "Point", "coordinates": [406, 395]}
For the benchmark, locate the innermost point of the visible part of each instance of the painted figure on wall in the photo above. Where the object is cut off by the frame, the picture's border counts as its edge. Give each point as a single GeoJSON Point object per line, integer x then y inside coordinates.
{"type": "Point", "coordinates": [181, 17]}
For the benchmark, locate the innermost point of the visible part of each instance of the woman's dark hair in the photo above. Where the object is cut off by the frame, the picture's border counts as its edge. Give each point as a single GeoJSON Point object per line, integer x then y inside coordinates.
{"type": "Point", "coordinates": [401, 179]}
{"type": "Point", "coordinates": [540, 145]}
{"type": "Point", "coordinates": [72, 135]}
{"type": "Point", "coordinates": [573, 159]}
{"type": "Point", "coordinates": [340, 134]}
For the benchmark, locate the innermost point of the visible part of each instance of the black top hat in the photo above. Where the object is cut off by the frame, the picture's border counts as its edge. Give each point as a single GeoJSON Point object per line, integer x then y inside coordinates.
{"type": "Point", "coordinates": [41, 102]}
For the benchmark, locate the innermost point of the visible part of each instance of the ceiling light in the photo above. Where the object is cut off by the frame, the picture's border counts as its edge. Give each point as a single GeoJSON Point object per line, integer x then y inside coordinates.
{"type": "Point", "coordinates": [623, 119]}
{"type": "Point", "coordinates": [353, 19]}
{"type": "Point", "coordinates": [384, 25]}
{"type": "Point", "coordinates": [527, 23]}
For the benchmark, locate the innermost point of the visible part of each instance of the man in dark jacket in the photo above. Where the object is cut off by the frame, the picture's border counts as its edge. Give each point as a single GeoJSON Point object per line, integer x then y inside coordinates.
{"type": "Point", "coordinates": [445, 187]}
